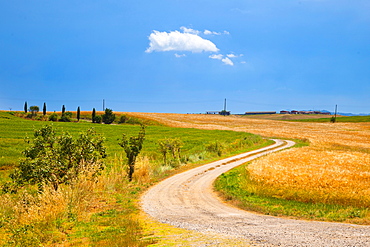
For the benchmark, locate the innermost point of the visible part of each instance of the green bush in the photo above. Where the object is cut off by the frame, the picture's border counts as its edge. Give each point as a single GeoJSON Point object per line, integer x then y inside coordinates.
{"type": "Point", "coordinates": [216, 147]}
{"type": "Point", "coordinates": [171, 146]}
{"type": "Point", "coordinates": [53, 117]}
{"type": "Point", "coordinates": [97, 119]}
{"type": "Point", "coordinates": [52, 159]}
{"type": "Point", "coordinates": [123, 119]}
{"type": "Point", "coordinates": [66, 117]}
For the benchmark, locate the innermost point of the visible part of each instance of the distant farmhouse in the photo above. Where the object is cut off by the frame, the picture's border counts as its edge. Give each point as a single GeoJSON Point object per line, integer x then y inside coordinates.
{"type": "Point", "coordinates": [304, 112]}
{"type": "Point", "coordinates": [224, 113]}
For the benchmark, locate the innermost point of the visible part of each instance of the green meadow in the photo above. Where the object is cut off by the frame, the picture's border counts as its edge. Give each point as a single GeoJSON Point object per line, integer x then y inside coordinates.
{"type": "Point", "coordinates": [105, 211]}
{"type": "Point", "coordinates": [14, 130]}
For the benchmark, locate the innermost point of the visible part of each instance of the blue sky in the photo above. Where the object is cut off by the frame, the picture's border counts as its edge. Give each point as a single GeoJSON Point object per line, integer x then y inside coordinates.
{"type": "Point", "coordinates": [186, 56]}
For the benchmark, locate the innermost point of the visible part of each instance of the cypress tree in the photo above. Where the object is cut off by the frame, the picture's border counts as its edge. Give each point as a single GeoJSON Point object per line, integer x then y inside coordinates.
{"type": "Point", "coordinates": [78, 113]}
{"type": "Point", "coordinates": [25, 107]}
{"type": "Point", "coordinates": [63, 110]}
{"type": "Point", "coordinates": [44, 109]}
{"type": "Point", "coordinates": [93, 115]}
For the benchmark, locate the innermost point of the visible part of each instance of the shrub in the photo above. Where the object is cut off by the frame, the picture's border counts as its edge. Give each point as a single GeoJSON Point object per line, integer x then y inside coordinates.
{"type": "Point", "coordinates": [170, 146]}
{"type": "Point", "coordinates": [123, 119]}
{"type": "Point", "coordinates": [66, 117]}
{"type": "Point", "coordinates": [53, 117]}
{"type": "Point", "coordinates": [216, 147]}
{"type": "Point", "coordinates": [97, 119]}
{"type": "Point", "coordinates": [54, 160]}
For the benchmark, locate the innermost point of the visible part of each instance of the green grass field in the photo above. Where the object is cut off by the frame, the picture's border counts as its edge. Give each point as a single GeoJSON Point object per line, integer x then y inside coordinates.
{"type": "Point", "coordinates": [13, 130]}
{"type": "Point", "coordinates": [103, 212]}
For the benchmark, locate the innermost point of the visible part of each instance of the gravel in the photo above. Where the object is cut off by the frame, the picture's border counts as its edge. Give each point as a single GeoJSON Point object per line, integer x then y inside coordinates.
{"type": "Point", "coordinates": [187, 201]}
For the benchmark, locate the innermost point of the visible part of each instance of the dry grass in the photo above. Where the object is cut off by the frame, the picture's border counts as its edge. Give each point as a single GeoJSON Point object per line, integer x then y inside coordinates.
{"type": "Point", "coordinates": [335, 168]}
{"type": "Point", "coordinates": [30, 218]}
{"type": "Point", "coordinates": [316, 175]}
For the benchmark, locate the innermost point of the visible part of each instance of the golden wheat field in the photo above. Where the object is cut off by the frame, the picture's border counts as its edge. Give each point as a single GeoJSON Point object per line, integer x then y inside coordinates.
{"type": "Point", "coordinates": [334, 168]}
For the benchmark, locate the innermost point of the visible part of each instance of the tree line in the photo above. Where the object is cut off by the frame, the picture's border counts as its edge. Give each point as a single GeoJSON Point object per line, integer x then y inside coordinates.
{"type": "Point", "coordinates": [108, 117]}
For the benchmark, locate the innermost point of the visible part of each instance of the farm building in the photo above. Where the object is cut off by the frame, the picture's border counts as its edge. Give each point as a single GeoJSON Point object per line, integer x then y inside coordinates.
{"type": "Point", "coordinates": [304, 112]}
{"type": "Point", "coordinates": [225, 113]}
{"type": "Point", "coordinates": [260, 112]}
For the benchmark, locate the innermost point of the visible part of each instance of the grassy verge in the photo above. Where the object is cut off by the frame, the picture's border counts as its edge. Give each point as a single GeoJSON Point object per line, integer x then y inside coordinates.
{"type": "Point", "coordinates": [238, 188]}
{"type": "Point", "coordinates": [104, 212]}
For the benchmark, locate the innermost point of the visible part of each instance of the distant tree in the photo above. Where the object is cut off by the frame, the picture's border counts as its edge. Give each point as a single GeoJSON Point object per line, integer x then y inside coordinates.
{"type": "Point", "coordinates": [63, 110]}
{"type": "Point", "coordinates": [93, 115]}
{"type": "Point", "coordinates": [78, 113]}
{"type": "Point", "coordinates": [108, 116]}
{"type": "Point", "coordinates": [44, 109]}
{"type": "Point", "coordinates": [53, 117]}
{"type": "Point", "coordinates": [66, 117]}
{"type": "Point", "coordinates": [132, 147]}
{"type": "Point", "coordinates": [34, 110]}
{"type": "Point", "coordinates": [25, 107]}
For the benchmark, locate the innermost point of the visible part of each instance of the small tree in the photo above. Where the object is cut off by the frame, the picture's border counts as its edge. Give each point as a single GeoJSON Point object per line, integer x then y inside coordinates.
{"type": "Point", "coordinates": [25, 107]}
{"type": "Point", "coordinates": [78, 113]}
{"type": "Point", "coordinates": [55, 160]}
{"type": "Point", "coordinates": [93, 115]}
{"type": "Point", "coordinates": [34, 110]}
{"type": "Point", "coordinates": [44, 109]}
{"type": "Point", "coordinates": [108, 116]}
{"type": "Point", "coordinates": [132, 147]}
{"type": "Point", "coordinates": [172, 146]}
{"type": "Point", "coordinates": [63, 110]}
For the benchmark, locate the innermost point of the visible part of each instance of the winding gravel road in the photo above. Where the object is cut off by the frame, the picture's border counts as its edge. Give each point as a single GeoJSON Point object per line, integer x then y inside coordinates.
{"type": "Point", "coordinates": [187, 200]}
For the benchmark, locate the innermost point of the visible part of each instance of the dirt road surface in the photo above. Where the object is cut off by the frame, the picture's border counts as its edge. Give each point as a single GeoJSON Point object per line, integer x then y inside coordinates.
{"type": "Point", "coordinates": [187, 201]}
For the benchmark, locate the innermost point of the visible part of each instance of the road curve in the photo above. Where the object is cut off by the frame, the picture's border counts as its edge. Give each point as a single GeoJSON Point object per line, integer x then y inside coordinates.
{"type": "Point", "coordinates": [187, 200]}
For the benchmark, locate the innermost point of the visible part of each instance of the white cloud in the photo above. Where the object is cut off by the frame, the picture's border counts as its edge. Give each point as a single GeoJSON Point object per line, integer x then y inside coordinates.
{"type": "Point", "coordinates": [231, 55]}
{"type": "Point", "coordinates": [189, 30]}
{"type": "Point", "coordinates": [216, 56]}
{"type": "Point", "coordinates": [177, 41]}
{"type": "Point", "coordinates": [227, 61]}
{"type": "Point", "coordinates": [180, 55]}
{"type": "Point", "coordinates": [207, 32]}
{"type": "Point", "coordinates": [187, 39]}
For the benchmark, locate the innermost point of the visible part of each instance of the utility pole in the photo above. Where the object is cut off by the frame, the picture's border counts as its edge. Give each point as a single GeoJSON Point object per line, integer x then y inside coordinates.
{"type": "Point", "coordinates": [335, 115]}
{"type": "Point", "coordinates": [225, 106]}
{"type": "Point", "coordinates": [103, 104]}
